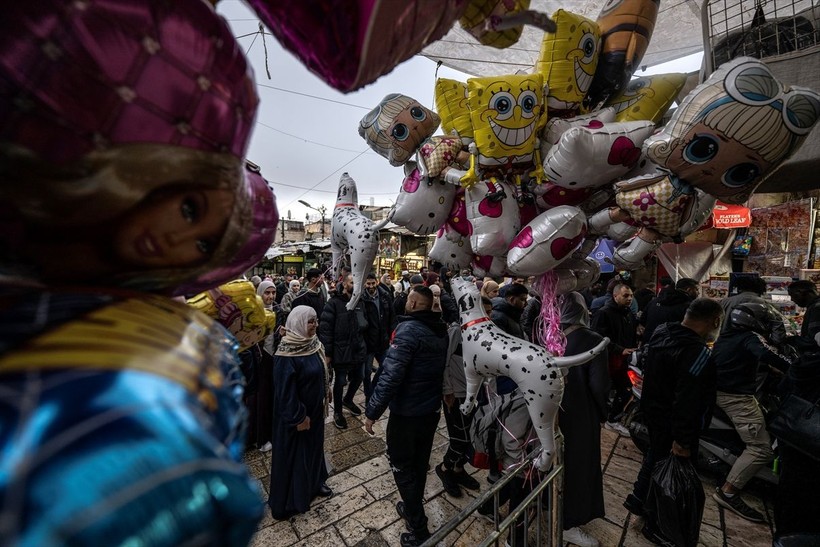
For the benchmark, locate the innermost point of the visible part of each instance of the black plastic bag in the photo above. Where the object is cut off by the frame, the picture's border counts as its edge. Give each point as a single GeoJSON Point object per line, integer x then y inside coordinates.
{"type": "Point", "coordinates": [676, 500]}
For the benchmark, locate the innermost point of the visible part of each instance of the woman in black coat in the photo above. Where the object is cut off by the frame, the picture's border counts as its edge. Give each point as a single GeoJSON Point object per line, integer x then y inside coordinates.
{"type": "Point", "coordinates": [583, 410]}
{"type": "Point", "coordinates": [300, 384]}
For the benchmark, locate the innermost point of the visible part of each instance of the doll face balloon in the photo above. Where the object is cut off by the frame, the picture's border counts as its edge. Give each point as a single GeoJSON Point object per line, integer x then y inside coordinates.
{"type": "Point", "coordinates": [733, 130]}
{"type": "Point", "coordinates": [182, 228]}
{"type": "Point", "coordinates": [397, 127]}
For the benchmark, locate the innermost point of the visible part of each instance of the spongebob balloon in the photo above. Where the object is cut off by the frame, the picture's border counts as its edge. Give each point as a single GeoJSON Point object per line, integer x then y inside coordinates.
{"type": "Point", "coordinates": [568, 60]}
{"type": "Point", "coordinates": [647, 98]}
{"type": "Point", "coordinates": [725, 138]}
{"type": "Point", "coordinates": [507, 113]}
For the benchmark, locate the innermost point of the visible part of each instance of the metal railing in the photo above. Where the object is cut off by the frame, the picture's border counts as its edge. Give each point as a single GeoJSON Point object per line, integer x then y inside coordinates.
{"type": "Point", "coordinates": [554, 480]}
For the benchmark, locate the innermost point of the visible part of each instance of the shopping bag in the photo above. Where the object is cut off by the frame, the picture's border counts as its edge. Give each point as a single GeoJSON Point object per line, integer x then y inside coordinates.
{"type": "Point", "coordinates": [676, 500]}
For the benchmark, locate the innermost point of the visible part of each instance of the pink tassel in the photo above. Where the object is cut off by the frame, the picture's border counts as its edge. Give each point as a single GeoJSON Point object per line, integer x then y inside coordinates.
{"type": "Point", "coordinates": [548, 325]}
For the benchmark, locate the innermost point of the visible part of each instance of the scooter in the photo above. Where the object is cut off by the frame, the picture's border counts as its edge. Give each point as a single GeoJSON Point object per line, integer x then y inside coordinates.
{"type": "Point", "coordinates": [720, 445]}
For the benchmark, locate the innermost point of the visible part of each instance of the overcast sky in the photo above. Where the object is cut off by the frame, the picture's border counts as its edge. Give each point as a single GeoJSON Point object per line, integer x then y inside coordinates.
{"type": "Point", "coordinates": [306, 132]}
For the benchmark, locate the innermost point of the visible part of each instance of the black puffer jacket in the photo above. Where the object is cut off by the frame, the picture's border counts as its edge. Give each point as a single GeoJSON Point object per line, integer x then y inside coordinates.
{"type": "Point", "coordinates": [411, 376]}
{"type": "Point", "coordinates": [678, 383]}
{"type": "Point", "coordinates": [342, 331]}
{"type": "Point", "coordinates": [737, 355]}
{"type": "Point", "coordinates": [379, 320]}
{"type": "Point", "coordinates": [529, 317]}
{"type": "Point", "coordinates": [667, 307]}
{"type": "Point", "coordinates": [508, 318]}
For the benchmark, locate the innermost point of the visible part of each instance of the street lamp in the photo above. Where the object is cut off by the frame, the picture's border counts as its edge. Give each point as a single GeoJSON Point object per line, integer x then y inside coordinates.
{"type": "Point", "coordinates": [321, 210]}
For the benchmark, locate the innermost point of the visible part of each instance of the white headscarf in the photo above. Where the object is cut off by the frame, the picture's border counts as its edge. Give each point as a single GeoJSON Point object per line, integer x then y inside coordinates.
{"type": "Point", "coordinates": [436, 290]}
{"type": "Point", "coordinates": [297, 322]}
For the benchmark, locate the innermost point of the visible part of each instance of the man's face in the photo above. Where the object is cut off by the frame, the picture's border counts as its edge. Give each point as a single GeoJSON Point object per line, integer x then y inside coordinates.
{"type": "Point", "coordinates": [519, 301]}
{"type": "Point", "coordinates": [519, 280]}
{"type": "Point", "coordinates": [372, 286]}
{"type": "Point", "coordinates": [713, 334]}
{"type": "Point", "coordinates": [623, 296]}
{"type": "Point", "coordinates": [348, 284]}
{"type": "Point", "coordinates": [801, 298]}
{"type": "Point", "coordinates": [692, 292]}
{"type": "Point", "coordinates": [423, 271]}
{"type": "Point", "coordinates": [315, 282]}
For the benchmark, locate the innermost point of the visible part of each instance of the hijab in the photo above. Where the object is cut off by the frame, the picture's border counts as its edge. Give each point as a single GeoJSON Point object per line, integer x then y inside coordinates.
{"type": "Point", "coordinates": [488, 286]}
{"type": "Point", "coordinates": [436, 290]}
{"type": "Point", "coordinates": [263, 286]}
{"type": "Point", "coordinates": [574, 311]}
{"type": "Point", "coordinates": [296, 342]}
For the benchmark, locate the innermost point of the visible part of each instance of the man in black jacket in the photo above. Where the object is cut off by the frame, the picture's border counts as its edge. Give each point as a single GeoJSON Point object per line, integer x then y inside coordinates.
{"type": "Point", "coordinates": [678, 392]}
{"type": "Point", "coordinates": [379, 311]}
{"type": "Point", "coordinates": [311, 295]}
{"type": "Point", "coordinates": [737, 355]}
{"type": "Point", "coordinates": [507, 316]}
{"type": "Point", "coordinates": [617, 322]}
{"type": "Point", "coordinates": [804, 294]}
{"type": "Point", "coordinates": [410, 382]}
{"type": "Point", "coordinates": [668, 307]}
{"type": "Point", "coordinates": [342, 333]}
{"type": "Point", "coordinates": [400, 302]}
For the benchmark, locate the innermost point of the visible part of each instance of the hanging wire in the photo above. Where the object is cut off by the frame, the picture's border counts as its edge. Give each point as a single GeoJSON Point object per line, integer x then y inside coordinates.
{"type": "Point", "coordinates": [264, 45]}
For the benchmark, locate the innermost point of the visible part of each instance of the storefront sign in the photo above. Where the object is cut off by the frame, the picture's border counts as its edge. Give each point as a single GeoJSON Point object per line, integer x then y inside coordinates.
{"type": "Point", "coordinates": [731, 216]}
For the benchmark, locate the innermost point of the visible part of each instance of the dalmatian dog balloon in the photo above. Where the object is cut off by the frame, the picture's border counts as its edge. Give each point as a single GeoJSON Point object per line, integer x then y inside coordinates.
{"type": "Point", "coordinates": [489, 351]}
{"type": "Point", "coordinates": [725, 138]}
{"type": "Point", "coordinates": [354, 234]}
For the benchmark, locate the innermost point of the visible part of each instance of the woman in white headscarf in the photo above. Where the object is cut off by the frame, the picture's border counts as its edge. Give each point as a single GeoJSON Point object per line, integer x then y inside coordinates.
{"type": "Point", "coordinates": [298, 470]}
{"type": "Point", "coordinates": [583, 410]}
{"type": "Point", "coordinates": [293, 290]}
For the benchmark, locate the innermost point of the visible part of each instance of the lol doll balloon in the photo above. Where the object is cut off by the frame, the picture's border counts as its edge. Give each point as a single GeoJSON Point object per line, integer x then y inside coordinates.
{"type": "Point", "coordinates": [123, 127]}
{"type": "Point", "coordinates": [724, 139]}
{"type": "Point", "coordinates": [400, 127]}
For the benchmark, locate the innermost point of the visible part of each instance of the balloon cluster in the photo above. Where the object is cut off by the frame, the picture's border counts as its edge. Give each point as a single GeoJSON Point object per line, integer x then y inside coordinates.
{"type": "Point", "coordinates": [530, 169]}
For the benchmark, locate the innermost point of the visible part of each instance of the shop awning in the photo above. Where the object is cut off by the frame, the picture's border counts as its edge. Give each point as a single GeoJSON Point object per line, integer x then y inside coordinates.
{"type": "Point", "coordinates": [730, 216]}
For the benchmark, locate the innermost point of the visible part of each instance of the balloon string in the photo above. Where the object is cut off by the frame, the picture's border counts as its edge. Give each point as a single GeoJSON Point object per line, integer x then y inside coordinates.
{"type": "Point", "coordinates": [264, 45]}
{"type": "Point", "coordinates": [548, 326]}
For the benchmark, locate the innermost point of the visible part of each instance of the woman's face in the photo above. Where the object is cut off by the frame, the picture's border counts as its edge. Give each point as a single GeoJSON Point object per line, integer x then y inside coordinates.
{"type": "Point", "coordinates": [178, 228]}
{"type": "Point", "coordinates": [295, 288]}
{"type": "Point", "coordinates": [311, 326]}
{"type": "Point", "coordinates": [492, 293]}
{"type": "Point", "coordinates": [269, 296]}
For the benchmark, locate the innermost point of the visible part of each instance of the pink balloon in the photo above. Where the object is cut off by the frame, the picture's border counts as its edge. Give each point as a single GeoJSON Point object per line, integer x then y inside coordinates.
{"type": "Point", "coordinates": [546, 241]}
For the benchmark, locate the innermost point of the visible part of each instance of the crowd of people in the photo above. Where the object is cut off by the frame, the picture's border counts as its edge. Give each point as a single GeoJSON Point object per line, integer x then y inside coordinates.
{"type": "Point", "coordinates": [402, 345]}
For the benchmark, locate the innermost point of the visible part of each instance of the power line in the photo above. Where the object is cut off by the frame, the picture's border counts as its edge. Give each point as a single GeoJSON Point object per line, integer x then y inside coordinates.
{"type": "Point", "coordinates": [275, 183]}
{"type": "Point", "coordinates": [252, 43]}
{"type": "Point", "coordinates": [263, 124]}
{"type": "Point", "coordinates": [360, 154]}
{"type": "Point", "coordinates": [313, 96]}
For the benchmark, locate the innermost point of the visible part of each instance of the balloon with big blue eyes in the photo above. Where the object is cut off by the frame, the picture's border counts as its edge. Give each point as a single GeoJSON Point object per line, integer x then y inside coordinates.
{"type": "Point", "coordinates": [726, 137]}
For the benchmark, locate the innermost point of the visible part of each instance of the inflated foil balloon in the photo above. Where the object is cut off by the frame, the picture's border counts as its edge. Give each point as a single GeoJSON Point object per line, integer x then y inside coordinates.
{"type": "Point", "coordinates": [457, 222]}
{"type": "Point", "coordinates": [423, 203]}
{"type": "Point", "coordinates": [237, 307]}
{"type": "Point", "coordinates": [594, 155]}
{"type": "Point", "coordinates": [451, 249]}
{"type": "Point", "coordinates": [507, 113]}
{"type": "Point", "coordinates": [400, 127]}
{"type": "Point", "coordinates": [549, 195]}
{"type": "Point", "coordinates": [122, 126]}
{"type": "Point", "coordinates": [352, 44]}
{"type": "Point", "coordinates": [451, 104]}
{"type": "Point", "coordinates": [735, 129]}
{"type": "Point", "coordinates": [489, 352]}
{"type": "Point", "coordinates": [567, 60]}
{"type": "Point", "coordinates": [576, 274]}
{"type": "Point", "coordinates": [136, 433]}
{"type": "Point", "coordinates": [353, 234]}
{"type": "Point", "coordinates": [555, 127]}
{"type": "Point", "coordinates": [492, 266]}
{"type": "Point", "coordinates": [499, 23]}
{"type": "Point", "coordinates": [546, 241]}
{"type": "Point", "coordinates": [648, 97]}
{"type": "Point", "coordinates": [626, 28]}
{"type": "Point", "coordinates": [493, 213]}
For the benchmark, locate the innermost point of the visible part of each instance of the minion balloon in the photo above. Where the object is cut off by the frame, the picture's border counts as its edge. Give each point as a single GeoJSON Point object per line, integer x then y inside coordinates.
{"type": "Point", "coordinates": [647, 98]}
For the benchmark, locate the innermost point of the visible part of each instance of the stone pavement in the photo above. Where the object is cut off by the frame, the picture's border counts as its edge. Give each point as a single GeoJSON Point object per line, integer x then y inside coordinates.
{"type": "Point", "coordinates": [362, 512]}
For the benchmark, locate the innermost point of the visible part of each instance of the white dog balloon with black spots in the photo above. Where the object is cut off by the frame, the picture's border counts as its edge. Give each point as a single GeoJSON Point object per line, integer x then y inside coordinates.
{"type": "Point", "coordinates": [489, 351]}
{"type": "Point", "coordinates": [354, 234]}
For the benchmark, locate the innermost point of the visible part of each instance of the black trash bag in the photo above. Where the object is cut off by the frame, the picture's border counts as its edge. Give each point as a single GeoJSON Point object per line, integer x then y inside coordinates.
{"type": "Point", "coordinates": [675, 501]}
